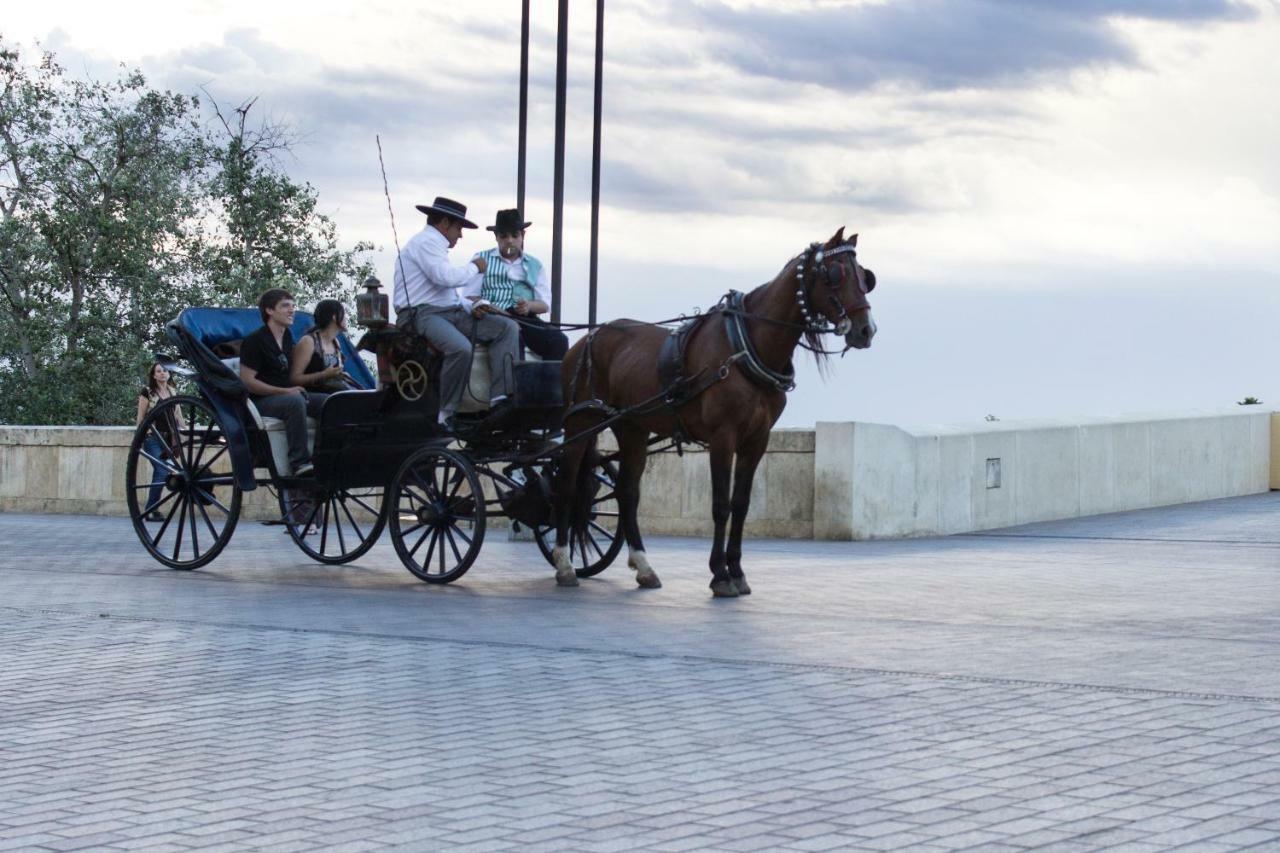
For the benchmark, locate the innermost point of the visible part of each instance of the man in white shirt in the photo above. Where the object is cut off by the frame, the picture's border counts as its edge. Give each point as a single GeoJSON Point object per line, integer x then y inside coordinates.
{"type": "Point", "coordinates": [429, 300]}
{"type": "Point", "coordinates": [516, 282]}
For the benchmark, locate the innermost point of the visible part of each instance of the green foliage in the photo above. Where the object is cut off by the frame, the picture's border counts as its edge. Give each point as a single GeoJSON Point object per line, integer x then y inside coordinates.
{"type": "Point", "coordinates": [1250, 401]}
{"type": "Point", "coordinates": [119, 206]}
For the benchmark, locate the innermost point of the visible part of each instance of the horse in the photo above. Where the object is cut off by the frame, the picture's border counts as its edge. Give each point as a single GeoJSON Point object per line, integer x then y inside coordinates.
{"type": "Point", "coordinates": [727, 392]}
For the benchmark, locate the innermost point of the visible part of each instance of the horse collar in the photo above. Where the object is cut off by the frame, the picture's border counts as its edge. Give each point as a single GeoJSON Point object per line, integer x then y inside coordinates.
{"type": "Point", "coordinates": [744, 352]}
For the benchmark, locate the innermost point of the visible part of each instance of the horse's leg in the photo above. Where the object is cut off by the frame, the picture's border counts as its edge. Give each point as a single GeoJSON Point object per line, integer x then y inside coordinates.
{"type": "Point", "coordinates": [564, 495]}
{"type": "Point", "coordinates": [633, 452]}
{"type": "Point", "coordinates": [721, 454]}
{"type": "Point", "coordinates": [744, 472]}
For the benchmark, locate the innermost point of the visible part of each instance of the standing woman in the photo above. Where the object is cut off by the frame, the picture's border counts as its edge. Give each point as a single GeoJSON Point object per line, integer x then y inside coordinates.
{"type": "Point", "coordinates": [317, 359]}
{"type": "Point", "coordinates": [160, 386]}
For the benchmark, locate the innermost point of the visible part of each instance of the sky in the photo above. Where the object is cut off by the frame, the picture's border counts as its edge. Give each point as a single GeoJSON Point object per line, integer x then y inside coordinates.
{"type": "Point", "coordinates": [1072, 208]}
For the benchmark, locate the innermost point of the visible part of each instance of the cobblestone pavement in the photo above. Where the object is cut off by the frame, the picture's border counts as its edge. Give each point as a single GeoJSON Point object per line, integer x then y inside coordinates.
{"type": "Point", "coordinates": [1108, 683]}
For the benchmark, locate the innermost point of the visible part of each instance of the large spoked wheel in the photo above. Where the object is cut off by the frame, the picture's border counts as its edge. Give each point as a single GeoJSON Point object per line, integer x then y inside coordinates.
{"type": "Point", "coordinates": [596, 537]}
{"type": "Point", "coordinates": [334, 525]}
{"type": "Point", "coordinates": [437, 515]}
{"type": "Point", "coordinates": [181, 492]}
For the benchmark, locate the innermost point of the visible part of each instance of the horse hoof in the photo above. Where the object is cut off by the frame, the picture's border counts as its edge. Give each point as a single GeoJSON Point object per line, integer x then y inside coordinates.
{"type": "Point", "coordinates": [724, 589]}
{"type": "Point", "coordinates": [743, 587]}
{"type": "Point", "coordinates": [649, 581]}
{"type": "Point", "coordinates": [570, 579]}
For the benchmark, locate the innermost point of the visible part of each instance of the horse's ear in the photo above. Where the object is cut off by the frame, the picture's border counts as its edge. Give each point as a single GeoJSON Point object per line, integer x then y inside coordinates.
{"type": "Point", "coordinates": [836, 238]}
{"type": "Point", "coordinates": [853, 241]}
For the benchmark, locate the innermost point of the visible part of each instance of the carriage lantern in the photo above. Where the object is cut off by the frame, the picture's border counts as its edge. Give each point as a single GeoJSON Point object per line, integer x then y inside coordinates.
{"type": "Point", "coordinates": [371, 306]}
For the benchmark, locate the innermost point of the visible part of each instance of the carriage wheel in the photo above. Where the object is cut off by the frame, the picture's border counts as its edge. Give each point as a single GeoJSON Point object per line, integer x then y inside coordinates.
{"type": "Point", "coordinates": [437, 515]}
{"type": "Point", "coordinates": [594, 542]}
{"type": "Point", "coordinates": [198, 502]}
{"type": "Point", "coordinates": [334, 525]}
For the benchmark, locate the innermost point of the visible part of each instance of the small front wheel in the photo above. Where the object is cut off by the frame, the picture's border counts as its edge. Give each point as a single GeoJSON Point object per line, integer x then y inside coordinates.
{"type": "Point", "coordinates": [182, 495]}
{"type": "Point", "coordinates": [437, 515]}
{"type": "Point", "coordinates": [334, 525]}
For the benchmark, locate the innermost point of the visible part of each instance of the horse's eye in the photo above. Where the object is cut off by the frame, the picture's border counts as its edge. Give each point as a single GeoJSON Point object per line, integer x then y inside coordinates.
{"type": "Point", "coordinates": [869, 278]}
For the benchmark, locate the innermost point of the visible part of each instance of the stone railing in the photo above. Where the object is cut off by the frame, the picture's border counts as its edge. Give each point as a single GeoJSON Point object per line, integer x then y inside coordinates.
{"type": "Point", "coordinates": [840, 481]}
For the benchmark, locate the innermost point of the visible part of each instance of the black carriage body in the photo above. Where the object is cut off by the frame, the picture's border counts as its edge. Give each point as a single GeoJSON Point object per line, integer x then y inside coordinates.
{"type": "Point", "coordinates": [361, 437]}
{"type": "Point", "coordinates": [380, 460]}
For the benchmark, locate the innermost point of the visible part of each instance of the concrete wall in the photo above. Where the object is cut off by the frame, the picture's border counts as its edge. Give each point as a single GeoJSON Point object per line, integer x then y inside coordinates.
{"type": "Point", "coordinates": [882, 481]}
{"type": "Point", "coordinates": [840, 481]}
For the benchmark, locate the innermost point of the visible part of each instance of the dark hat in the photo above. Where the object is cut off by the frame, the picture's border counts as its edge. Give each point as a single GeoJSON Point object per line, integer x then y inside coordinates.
{"type": "Point", "coordinates": [448, 207]}
{"type": "Point", "coordinates": [508, 221]}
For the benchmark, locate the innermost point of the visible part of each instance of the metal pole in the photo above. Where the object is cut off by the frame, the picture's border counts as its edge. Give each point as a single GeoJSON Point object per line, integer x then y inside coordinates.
{"type": "Point", "coordinates": [524, 106]}
{"type": "Point", "coordinates": [595, 164]}
{"type": "Point", "coordinates": [557, 215]}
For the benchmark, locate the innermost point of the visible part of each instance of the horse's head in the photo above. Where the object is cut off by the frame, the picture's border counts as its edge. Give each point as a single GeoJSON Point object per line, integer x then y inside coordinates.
{"type": "Point", "coordinates": [838, 289]}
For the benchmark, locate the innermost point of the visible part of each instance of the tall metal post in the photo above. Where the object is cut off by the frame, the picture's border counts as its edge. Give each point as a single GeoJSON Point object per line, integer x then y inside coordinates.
{"type": "Point", "coordinates": [524, 106]}
{"type": "Point", "coordinates": [557, 214]}
{"type": "Point", "coordinates": [595, 164]}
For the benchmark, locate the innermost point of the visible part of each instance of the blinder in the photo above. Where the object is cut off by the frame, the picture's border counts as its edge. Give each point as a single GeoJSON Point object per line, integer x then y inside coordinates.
{"type": "Point", "coordinates": [833, 278]}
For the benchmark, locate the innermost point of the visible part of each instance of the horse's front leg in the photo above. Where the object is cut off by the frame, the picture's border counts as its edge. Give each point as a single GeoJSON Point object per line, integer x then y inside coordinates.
{"type": "Point", "coordinates": [721, 455]}
{"type": "Point", "coordinates": [565, 496]}
{"type": "Point", "coordinates": [744, 473]}
{"type": "Point", "coordinates": [633, 454]}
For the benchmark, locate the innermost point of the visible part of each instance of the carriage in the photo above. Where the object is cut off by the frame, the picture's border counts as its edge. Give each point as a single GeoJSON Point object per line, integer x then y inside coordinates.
{"type": "Point", "coordinates": [381, 461]}
{"type": "Point", "coordinates": [719, 379]}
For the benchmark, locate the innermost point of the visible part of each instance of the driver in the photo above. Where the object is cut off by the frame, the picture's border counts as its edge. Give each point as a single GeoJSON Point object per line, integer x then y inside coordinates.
{"type": "Point", "coordinates": [429, 300]}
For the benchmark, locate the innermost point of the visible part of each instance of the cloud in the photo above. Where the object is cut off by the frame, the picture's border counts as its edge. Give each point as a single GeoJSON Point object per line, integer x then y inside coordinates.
{"type": "Point", "coordinates": [937, 44]}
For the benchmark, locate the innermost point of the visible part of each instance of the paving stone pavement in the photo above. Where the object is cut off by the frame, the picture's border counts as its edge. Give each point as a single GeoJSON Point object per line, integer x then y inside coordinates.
{"type": "Point", "coordinates": [1097, 684]}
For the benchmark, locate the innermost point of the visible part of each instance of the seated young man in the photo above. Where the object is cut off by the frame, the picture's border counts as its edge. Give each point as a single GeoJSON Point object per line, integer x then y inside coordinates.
{"type": "Point", "coordinates": [516, 282]}
{"type": "Point", "coordinates": [264, 369]}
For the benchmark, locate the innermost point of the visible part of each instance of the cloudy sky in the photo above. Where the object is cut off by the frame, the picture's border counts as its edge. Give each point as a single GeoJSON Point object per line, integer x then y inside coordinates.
{"type": "Point", "coordinates": [1073, 208]}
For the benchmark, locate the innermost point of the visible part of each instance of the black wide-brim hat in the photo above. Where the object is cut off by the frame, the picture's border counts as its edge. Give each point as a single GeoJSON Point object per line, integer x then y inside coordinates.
{"type": "Point", "coordinates": [450, 208]}
{"type": "Point", "coordinates": [508, 221]}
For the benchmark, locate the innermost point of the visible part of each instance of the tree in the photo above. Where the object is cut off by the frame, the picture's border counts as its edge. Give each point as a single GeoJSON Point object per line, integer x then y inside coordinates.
{"type": "Point", "coordinates": [268, 227]}
{"type": "Point", "coordinates": [119, 207]}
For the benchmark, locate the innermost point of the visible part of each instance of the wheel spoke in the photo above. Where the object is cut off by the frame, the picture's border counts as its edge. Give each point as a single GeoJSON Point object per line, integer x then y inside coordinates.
{"type": "Point", "coordinates": [421, 539]}
{"type": "Point", "coordinates": [465, 538]}
{"type": "Point", "coordinates": [324, 527]}
{"type": "Point", "coordinates": [587, 537]}
{"type": "Point", "coordinates": [431, 548]}
{"type": "Point", "coordinates": [350, 517]}
{"type": "Point", "coordinates": [177, 545]}
{"type": "Point", "coordinates": [457, 555]}
{"type": "Point", "coordinates": [356, 500]}
{"type": "Point", "coordinates": [195, 539]}
{"type": "Point", "coordinates": [213, 532]}
{"type": "Point", "coordinates": [337, 523]}
{"type": "Point", "coordinates": [209, 496]}
{"type": "Point", "coordinates": [160, 462]}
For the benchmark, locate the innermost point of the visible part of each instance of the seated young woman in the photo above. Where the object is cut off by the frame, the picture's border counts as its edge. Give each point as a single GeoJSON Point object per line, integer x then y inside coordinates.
{"type": "Point", "coordinates": [316, 363]}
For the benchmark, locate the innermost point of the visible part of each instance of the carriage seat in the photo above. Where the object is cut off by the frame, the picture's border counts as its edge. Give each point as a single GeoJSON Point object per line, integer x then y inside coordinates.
{"type": "Point", "coordinates": [273, 427]}
{"type": "Point", "coordinates": [475, 397]}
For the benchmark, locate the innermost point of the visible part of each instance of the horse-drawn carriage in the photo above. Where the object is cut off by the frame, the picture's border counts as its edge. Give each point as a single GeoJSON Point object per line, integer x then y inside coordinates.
{"type": "Point", "coordinates": [720, 380]}
{"type": "Point", "coordinates": [381, 461]}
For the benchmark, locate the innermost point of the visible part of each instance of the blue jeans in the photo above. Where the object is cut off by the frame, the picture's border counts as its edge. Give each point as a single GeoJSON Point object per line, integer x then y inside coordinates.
{"type": "Point", "coordinates": [154, 449]}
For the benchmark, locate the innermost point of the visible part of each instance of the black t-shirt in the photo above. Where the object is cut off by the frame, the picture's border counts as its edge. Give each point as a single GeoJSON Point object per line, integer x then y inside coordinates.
{"type": "Point", "coordinates": [260, 352]}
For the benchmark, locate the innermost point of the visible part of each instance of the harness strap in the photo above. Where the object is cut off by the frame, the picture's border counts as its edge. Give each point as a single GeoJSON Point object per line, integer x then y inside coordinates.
{"type": "Point", "coordinates": [749, 360]}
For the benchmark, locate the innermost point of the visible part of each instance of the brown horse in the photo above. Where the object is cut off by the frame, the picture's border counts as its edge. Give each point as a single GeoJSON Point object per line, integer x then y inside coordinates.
{"type": "Point", "coordinates": [736, 372]}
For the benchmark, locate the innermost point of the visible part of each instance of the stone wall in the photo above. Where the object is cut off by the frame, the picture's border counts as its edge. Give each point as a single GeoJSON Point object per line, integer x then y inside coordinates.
{"type": "Point", "coordinates": [882, 481]}
{"type": "Point", "coordinates": [840, 481]}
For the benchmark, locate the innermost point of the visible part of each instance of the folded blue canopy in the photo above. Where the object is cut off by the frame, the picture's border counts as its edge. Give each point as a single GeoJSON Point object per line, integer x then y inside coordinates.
{"type": "Point", "coordinates": [197, 330]}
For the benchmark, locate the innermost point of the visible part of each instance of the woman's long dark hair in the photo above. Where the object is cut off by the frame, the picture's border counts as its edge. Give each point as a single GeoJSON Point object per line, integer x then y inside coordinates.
{"type": "Point", "coordinates": [328, 311]}
{"type": "Point", "coordinates": [151, 378]}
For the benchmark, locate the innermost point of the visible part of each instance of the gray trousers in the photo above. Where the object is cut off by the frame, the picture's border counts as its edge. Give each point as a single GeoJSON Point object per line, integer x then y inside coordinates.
{"type": "Point", "coordinates": [293, 410]}
{"type": "Point", "coordinates": [450, 331]}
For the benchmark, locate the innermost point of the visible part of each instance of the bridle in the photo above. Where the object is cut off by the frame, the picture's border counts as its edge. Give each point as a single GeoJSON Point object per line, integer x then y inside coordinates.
{"type": "Point", "coordinates": [832, 275]}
